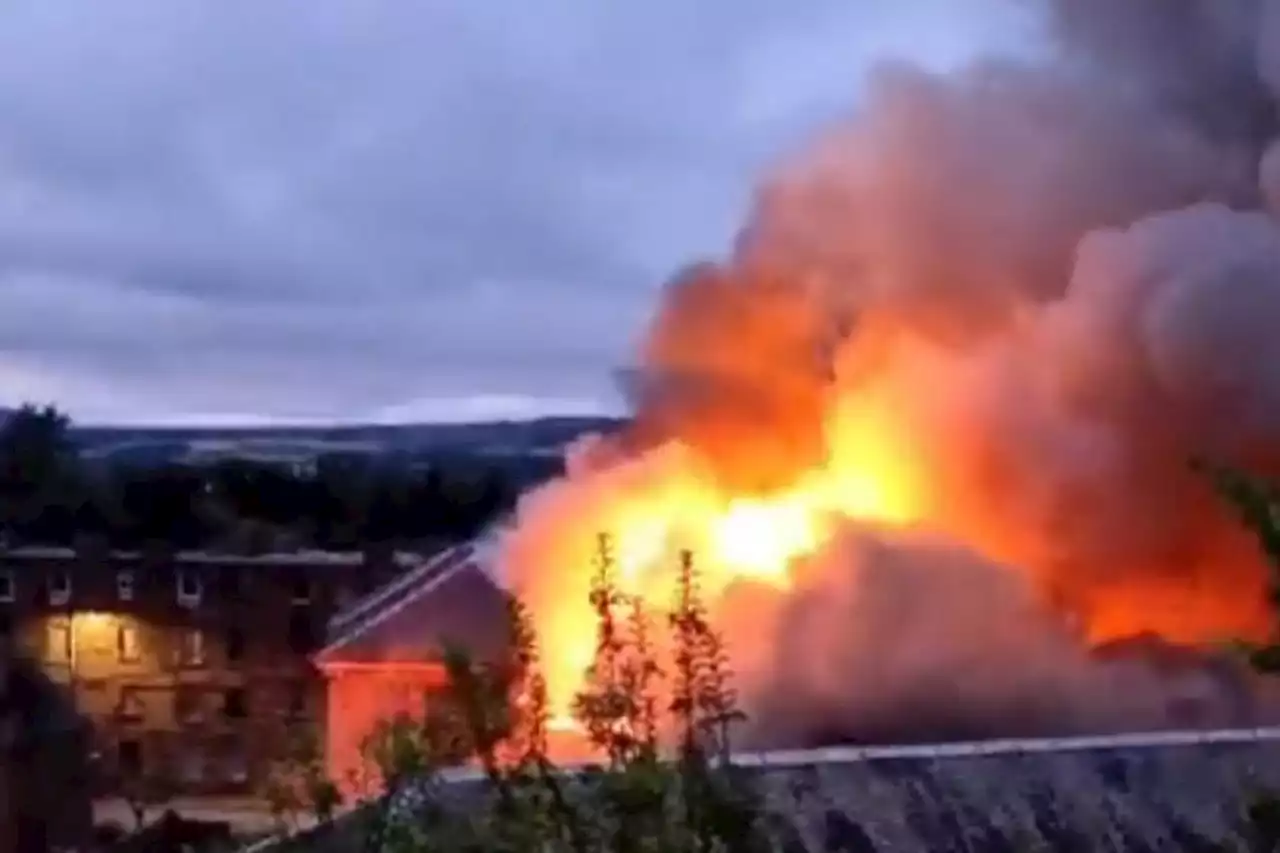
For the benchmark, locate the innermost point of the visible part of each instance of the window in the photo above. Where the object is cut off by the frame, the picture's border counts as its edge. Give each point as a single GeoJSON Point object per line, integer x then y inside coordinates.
{"type": "Point", "coordinates": [235, 705]}
{"type": "Point", "coordinates": [234, 760]}
{"type": "Point", "coordinates": [191, 764]}
{"type": "Point", "coordinates": [187, 705]}
{"type": "Point", "coordinates": [231, 584]}
{"type": "Point", "coordinates": [58, 641]}
{"type": "Point", "coordinates": [131, 708]}
{"type": "Point", "coordinates": [301, 591]}
{"type": "Point", "coordinates": [7, 586]}
{"type": "Point", "coordinates": [235, 645]}
{"type": "Point", "coordinates": [58, 586]}
{"type": "Point", "coordinates": [190, 589]}
{"type": "Point", "coordinates": [128, 649]}
{"type": "Point", "coordinates": [191, 647]}
{"type": "Point", "coordinates": [124, 585]}
{"type": "Point", "coordinates": [297, 705]}
{"type": "Point", "coordinates": [300, 633]}
{"type": "Point", "coordinates": [129, 758]}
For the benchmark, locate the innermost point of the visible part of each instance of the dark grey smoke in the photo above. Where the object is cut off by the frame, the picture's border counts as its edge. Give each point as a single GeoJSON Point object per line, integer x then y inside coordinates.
{"type": "Point", "coordinates": [935, 644]}
{"type": "Point", "coordinates": [1201, 59]}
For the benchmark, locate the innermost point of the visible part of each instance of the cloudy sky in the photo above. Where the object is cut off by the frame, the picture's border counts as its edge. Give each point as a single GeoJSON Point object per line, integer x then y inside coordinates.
{"type": "Point", "coordinates": [345, 210]}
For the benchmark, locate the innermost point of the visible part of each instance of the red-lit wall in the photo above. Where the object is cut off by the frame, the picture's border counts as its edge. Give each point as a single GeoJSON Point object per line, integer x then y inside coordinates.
{"type": "Point", "coordinates": [357, 697]}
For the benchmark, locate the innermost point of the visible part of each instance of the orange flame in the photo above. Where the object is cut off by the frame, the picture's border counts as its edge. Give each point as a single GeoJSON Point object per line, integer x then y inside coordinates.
{"type": "Point", "coordinates": [868, 474]}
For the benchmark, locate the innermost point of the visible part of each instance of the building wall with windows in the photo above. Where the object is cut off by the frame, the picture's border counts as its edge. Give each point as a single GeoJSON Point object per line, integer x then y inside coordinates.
{"type": "Point", "coordinates": [191, 667]}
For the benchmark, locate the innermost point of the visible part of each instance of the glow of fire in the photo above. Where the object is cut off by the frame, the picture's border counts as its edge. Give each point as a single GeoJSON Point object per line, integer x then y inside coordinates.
{"type": "Point", "coordinates": [868, 474]}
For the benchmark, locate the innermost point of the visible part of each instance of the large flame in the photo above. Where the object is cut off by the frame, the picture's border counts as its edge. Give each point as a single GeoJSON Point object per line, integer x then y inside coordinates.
{"type": "Point", "coordinates": [867, 473]}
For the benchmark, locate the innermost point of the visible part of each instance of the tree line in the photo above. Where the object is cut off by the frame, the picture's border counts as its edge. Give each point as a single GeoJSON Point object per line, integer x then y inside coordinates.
{"type": "Point", "coordinates": [51, 495]}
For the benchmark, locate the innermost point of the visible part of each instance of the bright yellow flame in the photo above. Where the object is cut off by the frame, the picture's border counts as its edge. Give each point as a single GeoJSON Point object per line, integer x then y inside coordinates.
{"type": "Point", "coordinates": [757, 539]}
{"type": "Point", "coordinates": [868, 474]}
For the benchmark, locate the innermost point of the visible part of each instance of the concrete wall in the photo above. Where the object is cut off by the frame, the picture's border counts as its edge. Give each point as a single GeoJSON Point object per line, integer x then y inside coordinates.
{"type": "Point", "coordinates": [1132, 793]}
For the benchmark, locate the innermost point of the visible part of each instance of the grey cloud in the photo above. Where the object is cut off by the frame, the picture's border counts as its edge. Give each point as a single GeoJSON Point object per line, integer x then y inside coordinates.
{"type": "Point", "coordinates": [332, 210]}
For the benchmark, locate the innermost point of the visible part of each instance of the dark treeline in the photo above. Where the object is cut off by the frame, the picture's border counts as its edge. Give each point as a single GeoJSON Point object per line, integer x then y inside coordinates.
{"type": "Point", "coordinates": [50, 496]}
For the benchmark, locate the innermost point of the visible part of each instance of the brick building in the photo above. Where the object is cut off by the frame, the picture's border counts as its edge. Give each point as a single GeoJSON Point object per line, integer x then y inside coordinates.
{"type": "Point", "coordinates": [383, 655]}
{"type": "Point", "coordinates": [189, 666]}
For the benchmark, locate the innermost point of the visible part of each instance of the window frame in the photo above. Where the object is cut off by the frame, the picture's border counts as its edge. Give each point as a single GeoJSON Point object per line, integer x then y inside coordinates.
{"type": "Point", "coordinates": [307, 587]}
{"type": "Point", "coordinates": [188, 588]}
{"type": "Point", "coordinates": [59, 594]}
{"type": "Point", "coordinates": [126, 651]}
{"type": "Point", "coordinates": [193, 648]}
{"type": "Point", "coordinates": [126, 585]}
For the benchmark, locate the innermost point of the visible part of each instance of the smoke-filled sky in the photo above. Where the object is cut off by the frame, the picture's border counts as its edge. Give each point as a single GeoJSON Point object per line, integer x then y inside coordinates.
{"type": "Point", "coordinates": [356, 209]}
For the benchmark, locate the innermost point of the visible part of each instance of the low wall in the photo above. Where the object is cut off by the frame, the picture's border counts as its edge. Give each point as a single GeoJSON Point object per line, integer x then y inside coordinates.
{"type": "Point", "coordinates": [1133, 793]}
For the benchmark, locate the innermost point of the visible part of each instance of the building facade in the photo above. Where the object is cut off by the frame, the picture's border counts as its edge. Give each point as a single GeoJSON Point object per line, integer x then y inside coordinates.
{"type": "Point", "coordinates": [383, 655]}
{"type": "Point", "coordinates": [190, 667]}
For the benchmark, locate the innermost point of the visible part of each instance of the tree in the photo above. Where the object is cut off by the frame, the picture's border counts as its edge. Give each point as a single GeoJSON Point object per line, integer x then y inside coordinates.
{"type": "Point", "coordinates": [296, 782]}
{"type": "Point", "coordinates": [164, 504]}
{"type": "Point", "coordinates": [38, 468]}
{"type": "Point", "coordinates": [1257, 503]}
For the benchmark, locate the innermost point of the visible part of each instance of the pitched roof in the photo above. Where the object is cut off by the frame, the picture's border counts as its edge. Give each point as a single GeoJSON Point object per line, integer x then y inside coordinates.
{"type": "Point", "coordinates": [450, 599]}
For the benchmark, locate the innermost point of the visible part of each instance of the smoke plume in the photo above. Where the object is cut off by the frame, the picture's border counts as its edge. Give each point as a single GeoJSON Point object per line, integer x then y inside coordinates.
{"type": "Point", "coordinates": [928, 427]}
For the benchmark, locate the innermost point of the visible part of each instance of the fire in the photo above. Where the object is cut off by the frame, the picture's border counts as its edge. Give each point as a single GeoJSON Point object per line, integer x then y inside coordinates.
{"type": "Point", "coordinates": [941, 396]}
{"type": "Point", "coordinates": [758, 538]}
{"type": "Point", "coordinates": [867, 474]}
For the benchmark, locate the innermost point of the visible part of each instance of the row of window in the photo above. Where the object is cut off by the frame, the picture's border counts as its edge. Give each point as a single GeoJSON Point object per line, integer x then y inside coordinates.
{"type": "Point", "coordinates": [188, 587]}
{"type": "Point", "coordinates": [196, 763]}
{"type": "Point", "coordinates": [191, 705]}
{"type": "Point", "coordinates": [192, 646]}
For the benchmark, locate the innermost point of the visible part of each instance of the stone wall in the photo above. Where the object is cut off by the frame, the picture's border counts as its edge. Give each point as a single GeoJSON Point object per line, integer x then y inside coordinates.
{"type": "Point", "coordinates": [1133, 793]}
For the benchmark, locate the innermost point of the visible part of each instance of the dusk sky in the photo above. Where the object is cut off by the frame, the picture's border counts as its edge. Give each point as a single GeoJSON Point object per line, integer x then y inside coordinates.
{"type": "Point", "coordinates": [393, 210]}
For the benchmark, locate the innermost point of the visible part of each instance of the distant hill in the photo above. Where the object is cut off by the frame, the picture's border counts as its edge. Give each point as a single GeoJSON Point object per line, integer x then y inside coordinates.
{"type": "Point", "coordinates": [492, 440]}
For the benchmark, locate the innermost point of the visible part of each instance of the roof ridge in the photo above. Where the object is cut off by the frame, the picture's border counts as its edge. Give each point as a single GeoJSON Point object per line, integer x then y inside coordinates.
{"type": "Point", "coordinates": [433, 576]}
{"type": "Point", "coordinates": [363, 605]}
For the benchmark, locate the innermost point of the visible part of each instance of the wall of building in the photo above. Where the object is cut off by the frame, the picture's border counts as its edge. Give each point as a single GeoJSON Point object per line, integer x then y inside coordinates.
{"type": "Point", "coordinates": [358, 698]}
{"type": "Point", "coordinates": [190, 667]}
{"type": "Point", "coordinates": [1134, 793]}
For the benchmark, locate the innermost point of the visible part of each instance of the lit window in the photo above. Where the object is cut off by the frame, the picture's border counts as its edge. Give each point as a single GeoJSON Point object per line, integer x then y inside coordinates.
{"type": "Point", "coordinates": [127, 646]}
{"type": "Point", "coordinates": [124, 585]}
{"type": "Point", "coordinates": [7, 586]}
{"type": "Point", "coordinates": [190, 589]}
{"type": "Point", "coordinates": [191, 649]}
{"type": "Point", "coordinates": [58, 641]}
{"type": "Point", "coordinates": [59, 588]}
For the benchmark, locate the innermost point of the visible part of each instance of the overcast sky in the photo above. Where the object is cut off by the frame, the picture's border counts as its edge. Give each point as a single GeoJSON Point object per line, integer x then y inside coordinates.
{"type": "Point", "coordinates": [340, 210]}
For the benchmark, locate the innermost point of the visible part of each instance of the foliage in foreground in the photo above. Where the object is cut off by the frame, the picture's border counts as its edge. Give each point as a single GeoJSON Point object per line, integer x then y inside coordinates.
{"type": "Point", "coordinates": [662, 733]}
